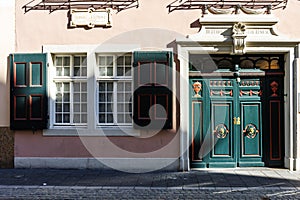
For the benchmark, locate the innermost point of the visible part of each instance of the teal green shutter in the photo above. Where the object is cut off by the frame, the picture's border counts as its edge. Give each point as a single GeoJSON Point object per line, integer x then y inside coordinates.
{"type": "Point", "coordinates": [152, 90]}
{"type": "Point", "coordinates": [28, 92]}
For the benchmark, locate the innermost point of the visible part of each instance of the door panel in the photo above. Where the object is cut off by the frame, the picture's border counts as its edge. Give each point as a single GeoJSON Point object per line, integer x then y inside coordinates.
{"type": "Point", "coordinates": [221, 124]}
{"type": "Point", "coordinates": [250, 137]}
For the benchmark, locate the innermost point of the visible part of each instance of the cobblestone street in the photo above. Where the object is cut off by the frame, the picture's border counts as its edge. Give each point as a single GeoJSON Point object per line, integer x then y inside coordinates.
{"type": "Point", "coordinates": [240, 183]}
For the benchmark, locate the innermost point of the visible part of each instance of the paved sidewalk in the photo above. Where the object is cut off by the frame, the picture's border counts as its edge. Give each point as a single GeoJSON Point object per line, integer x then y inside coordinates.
{"type": "Point", "coordinates": [239, 183]}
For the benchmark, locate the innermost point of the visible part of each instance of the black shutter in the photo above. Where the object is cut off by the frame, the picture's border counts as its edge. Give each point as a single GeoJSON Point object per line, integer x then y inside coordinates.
{"type": "Point", "coordinates": [28, 92]}
{"type": "Point", "coordinates": [152, 90]}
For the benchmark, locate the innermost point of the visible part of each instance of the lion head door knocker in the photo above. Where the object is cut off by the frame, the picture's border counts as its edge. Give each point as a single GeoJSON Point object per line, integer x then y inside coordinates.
{"type": "Point", "coordinates": [221, 131]}
{"type": "Point", "coordinates": [250, 131]}
{"type": "Point", "coordinates": [197, 86]}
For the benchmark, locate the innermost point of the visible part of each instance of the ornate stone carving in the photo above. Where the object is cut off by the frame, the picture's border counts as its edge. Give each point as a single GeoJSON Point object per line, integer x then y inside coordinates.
{"type": "Point", "coordinates": [220, 10]}
{"type": "Point", "coordinates": [253, 11]}
{"type": "Point", "coordinates": [239, 38]}
{"type": "Point", "coordinates": [197, 86]}
{"type": "Point", "coordinates": [274, 87]}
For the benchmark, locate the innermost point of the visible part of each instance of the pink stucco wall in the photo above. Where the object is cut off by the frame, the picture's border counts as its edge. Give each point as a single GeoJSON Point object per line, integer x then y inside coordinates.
{"type": "Point", "coordinates": [37, 28]}
{"type": "Point", "coordinates": [29, 144]}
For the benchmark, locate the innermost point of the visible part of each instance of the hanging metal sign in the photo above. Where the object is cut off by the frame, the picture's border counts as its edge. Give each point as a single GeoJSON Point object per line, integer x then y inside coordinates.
{"type": "Point", "coordinates": [90, 18]}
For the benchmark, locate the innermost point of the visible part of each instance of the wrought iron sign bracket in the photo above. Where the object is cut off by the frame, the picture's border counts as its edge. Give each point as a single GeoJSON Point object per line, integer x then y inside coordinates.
{"type": "Point", "coordinates": [54, 5]}
{"type": "Point", "coordinates": [228, 6]}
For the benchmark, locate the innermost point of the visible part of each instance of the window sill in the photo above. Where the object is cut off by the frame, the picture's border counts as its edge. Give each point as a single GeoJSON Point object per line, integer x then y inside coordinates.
{"type": "Point", "coordinates": [103, 131]}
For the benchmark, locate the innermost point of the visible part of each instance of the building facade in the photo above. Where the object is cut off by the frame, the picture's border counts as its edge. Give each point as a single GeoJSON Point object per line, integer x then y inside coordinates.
{"type": "Point", "coordinates": [140, 85]}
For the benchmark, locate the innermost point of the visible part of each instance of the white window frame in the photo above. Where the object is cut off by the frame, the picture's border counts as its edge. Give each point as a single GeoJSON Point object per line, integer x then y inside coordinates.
{"type": "Point", "coordinates": [114, 79]}
{"type": "Point", "coordinates": [71, 79]}
{"type": "Point", "coordinates": [91, 51]}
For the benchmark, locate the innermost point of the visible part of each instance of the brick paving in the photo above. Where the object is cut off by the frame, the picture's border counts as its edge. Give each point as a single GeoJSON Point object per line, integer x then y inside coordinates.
{"type": "Point", "coordinates": [239, 183]}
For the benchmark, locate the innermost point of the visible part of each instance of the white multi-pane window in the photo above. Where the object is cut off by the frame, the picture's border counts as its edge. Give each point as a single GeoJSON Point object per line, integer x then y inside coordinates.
{"type": "Point", "coordinates": [70, 105]}
{"type": "Point", "coordinates": [114, 85]}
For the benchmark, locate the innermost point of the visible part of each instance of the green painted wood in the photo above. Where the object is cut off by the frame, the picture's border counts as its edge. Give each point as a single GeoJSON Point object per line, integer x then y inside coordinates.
{"type": "Point", "coordinates": [221, 113]}
{"type": "Point", "coordinates": [28, 86]}
{"type": "Point", "coordinates": [223, 100]}
{"type": "Point", "coordinates": [152, 86]}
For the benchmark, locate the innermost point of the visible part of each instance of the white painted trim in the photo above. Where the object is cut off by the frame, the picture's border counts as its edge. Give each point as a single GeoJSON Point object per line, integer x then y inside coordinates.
{"type": "Point", "coordinates": [184, 112]}
{"type": "Point", "coordinates": [91, 51]}
{"type": "Point", "coordinates": [104, 131]}
{"type": "Point", "coordinates": [135, 165]}
{"type": "Point", "coordinates": [218, 44]}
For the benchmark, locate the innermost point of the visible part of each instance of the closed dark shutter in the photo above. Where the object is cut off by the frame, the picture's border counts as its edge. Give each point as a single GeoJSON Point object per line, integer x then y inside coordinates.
{"type": "Point", "coordinates": [28, 92]}
{"type": "Point", "coordinates": [152, 90]}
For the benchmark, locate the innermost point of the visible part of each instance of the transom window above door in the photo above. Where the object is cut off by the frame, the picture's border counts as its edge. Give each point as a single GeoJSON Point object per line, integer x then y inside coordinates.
{"type": "Point", "coordinates": [211, 63]}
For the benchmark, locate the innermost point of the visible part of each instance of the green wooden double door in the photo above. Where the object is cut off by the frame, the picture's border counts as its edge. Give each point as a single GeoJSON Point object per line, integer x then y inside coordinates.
{"type": "Point", "coordinates": [226, 127]}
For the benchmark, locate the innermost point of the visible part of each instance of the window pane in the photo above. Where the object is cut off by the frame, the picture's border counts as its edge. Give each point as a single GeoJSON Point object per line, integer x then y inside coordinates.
{"type": "Point", "coordinates": [101, 97]}
{"type": "Point", "coordinates": [102, 71]}
{"type": "Point", "coordinates": [84, 71]}
{"type": "Point", "coordinates": [110, 118]}
{"type": "Point", "coordinates": [120, 107]}
{"type": "Point", "coordinates": [127, 60]}
{"type": "Point", "coordinates": [58, 107]}
{"type": "Point", "coordinates": [128, 118]}
{"type": "Point", "coordinates": [76, 107]}
{"type": "Point", "coordinates": [109, 86]}
{"type": "Point", "coordinates": [127, 107]}
{"type": "Point", "coordinates": [84, 118]}
{"type": "Point", "coordinates": [76, 118]}
{"type": "Point", "coordinates": [59, 71]}
{"type": "Point", "coordinates": [102, 107]}
{"type": "Point", "coordinates": [76, 71]}
{"type": "Point", "coordinates": [121, 118]}
{"type": "Point", "coordinates": [128, 71]}
{"type": "Point", "coordinates": [66, 61]}
{"type": "Point", "coordinates": [109, 97]}
{"type": "Point", "coordinates": [66, 118]}
{"type": "Point", "coordinates": [109, 71]}
{"type": "Point", "coordinates": [58, 61]}
{"type": "Point", "coordinates": [76, 97]}
{"type": "Point", "coordinates": [66, 107]}
{"type": "Point", "coordinates": [109, 61]}
{"type": "Point", "coordinates": [66, 97]}
{"type": "Point", "coordinates": [76, 61]}
{"type": "Point", "coordinates": [66, 71]}
{"type": "Point", "coordinates": [120, 97]}
{"type": "Point", "coordinates": [128, 86]}
{"type": "Point", "coordinates": [84, 86]}
{"type": "Point", "coordinates": [120, 61]}
{"type": "Point", "coordinates": [102, 87]}
{"type": "Point", "coordinates": [109, 107]}
{"type": "Point", "coordinates": [84, 107]}
{"type": "Point", "coordinates": [58, 118]}
{"type": "Point", "coordinates": [120, 71]}
{"type": "Point", "coordinates": [84, 97]}
{"type": "Point", "coordinates": [102, 60]}
{"type": "Point", "coordinates": [102, 118]}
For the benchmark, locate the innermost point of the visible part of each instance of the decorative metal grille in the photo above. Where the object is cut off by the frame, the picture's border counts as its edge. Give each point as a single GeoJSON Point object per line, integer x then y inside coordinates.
{"type": "Point", "coordinates": [225, 4]}
{"type": "Point", "coordinates": [53, 5]}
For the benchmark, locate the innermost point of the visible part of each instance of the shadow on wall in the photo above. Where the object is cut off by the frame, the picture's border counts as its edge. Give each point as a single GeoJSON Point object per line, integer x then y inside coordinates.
{"type": "Point", "coordinates": [6, 136]}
